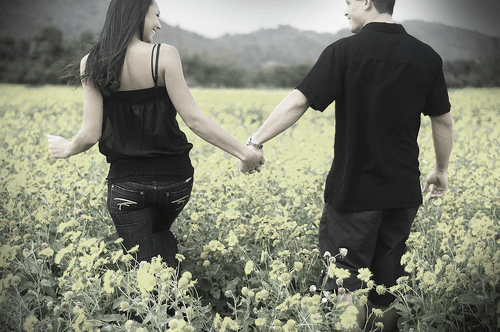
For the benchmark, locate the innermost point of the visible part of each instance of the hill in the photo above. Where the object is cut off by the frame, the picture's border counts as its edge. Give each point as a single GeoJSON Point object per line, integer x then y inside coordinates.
{"type": "Point", "coordinates": [282, 45]}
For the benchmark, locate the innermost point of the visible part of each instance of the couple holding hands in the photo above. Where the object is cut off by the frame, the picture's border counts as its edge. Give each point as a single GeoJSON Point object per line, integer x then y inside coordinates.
{"type": "Point", "coordinates": [381, 79]}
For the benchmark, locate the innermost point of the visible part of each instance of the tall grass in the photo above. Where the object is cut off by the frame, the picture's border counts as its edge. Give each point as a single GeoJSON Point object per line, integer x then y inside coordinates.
{"type": "Point", "coordinates": [248, 244]}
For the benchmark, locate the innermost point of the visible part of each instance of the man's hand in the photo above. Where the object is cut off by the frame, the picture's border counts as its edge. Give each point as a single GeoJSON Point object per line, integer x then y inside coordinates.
{"type": "Point", "coordinates": [439, 182]}
{"type": "Point", "coordinates": [253, 161]}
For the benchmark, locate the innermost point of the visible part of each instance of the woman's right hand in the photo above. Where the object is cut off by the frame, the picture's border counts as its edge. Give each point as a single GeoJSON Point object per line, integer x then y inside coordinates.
{"type": "Point", "coordinates": [254, 159]}
{"type": "Point", "coordinates": [58, 146]}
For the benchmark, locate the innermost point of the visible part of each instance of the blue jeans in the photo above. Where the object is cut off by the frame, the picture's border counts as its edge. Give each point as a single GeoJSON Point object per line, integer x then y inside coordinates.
{"type": "Point", "coordinates": [143, 213]}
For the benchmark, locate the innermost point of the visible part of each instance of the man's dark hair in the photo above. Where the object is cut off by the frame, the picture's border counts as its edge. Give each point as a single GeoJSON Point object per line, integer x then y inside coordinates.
{"type": "Point", "coordinates": [384, 6]}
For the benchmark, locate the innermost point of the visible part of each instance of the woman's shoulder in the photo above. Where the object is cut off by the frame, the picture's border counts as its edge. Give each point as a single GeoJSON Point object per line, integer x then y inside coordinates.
{"type": "Point", "coordinates": [83, 63]}
{"type": "Point", "coordinates": [168, 50]}
{"type": "Point", "coordinates": [169, 56]}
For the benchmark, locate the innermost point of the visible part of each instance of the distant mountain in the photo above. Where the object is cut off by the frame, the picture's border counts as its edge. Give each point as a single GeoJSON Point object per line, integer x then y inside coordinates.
{"type": "Point", "coordinates": [23, 18]}
{"type": "Point", "coordinates": [454, 43]}
{"type": "Point", "coordinates": [282, 45]}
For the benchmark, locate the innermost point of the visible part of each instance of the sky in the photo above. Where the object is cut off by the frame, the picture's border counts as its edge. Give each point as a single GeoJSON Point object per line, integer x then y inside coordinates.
{"type": "Point", "coordinates": [214, 18]}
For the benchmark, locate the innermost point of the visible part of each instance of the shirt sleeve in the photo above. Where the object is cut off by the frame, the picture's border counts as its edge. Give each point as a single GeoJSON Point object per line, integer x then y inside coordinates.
{"type": "Point", "coordinates": [323, 84]}
{"type": "Point", "coordinates": [438, 102]}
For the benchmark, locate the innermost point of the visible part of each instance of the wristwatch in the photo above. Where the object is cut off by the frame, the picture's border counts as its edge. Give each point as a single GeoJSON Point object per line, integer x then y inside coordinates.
{"type": "Point", "coordinates": [254, 145]}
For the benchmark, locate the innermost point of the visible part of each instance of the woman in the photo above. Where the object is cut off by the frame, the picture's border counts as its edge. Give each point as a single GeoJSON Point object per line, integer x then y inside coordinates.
{"type": "Point", "coordinates": [132, 93]}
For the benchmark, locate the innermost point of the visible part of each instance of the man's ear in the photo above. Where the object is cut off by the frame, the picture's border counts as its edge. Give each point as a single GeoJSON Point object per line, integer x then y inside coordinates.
{"type": "Point", "coordinates": [368, 4]}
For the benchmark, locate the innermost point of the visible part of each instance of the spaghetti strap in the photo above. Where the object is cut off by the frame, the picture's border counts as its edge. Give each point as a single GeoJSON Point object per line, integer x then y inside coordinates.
{"type": "Point", "coordinates": [157, 63]}
{"type": "Point", "coordinates": [152, 69]}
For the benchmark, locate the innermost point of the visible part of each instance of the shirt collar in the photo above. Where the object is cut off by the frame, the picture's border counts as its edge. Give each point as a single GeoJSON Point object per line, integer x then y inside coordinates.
{"type": "Point", "coordinates": [384, 27]}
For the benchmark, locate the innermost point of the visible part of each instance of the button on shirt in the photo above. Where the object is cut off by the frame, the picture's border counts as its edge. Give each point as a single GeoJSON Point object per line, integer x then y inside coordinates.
{"type": "Point", "coordinates": [382, 80]}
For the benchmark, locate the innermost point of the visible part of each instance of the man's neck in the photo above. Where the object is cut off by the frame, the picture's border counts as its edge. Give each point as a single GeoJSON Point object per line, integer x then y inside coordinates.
{"type": "Point", "coordinates": [380, 18]}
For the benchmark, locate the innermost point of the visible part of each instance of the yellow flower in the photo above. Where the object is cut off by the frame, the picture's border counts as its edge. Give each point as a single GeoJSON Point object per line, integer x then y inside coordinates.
{"type": "Point", "coordinates": [29, 323]}
{"type": "Point", "coordinates": [133, 249]}
{"type": "Point", "coordinates": [229, 323]}
{"type": "Point", "coordinates": [439, 266]}
{"type": "Point", "coordinates": [215, 245]}
{"type": "Point", "coordinates": [156, 265]}
{"type": "Point", "coordinates": [262, 295]}
{"type": "Point", "coordinates": [116, 255]}
{"type": "Point", "coordinates": [364, 274]}
{"type": "Point", "coordinates": [285, 278]}
{"type": "Point", "coordinates": [173, 324]}
{"type": "Point", "coordinates": [378, 313]}
{"type": "Point", "coordinates": [348, 317]}
{"type": "Point", "coordinates": [428, 279]}
{"type": "Point", "coordinates": [206, 263]}
{"type": "Point", "coordinates": [129, 324]}
{"type": "Point", "coordinates": [342, 273]}
{"type": "Point", "coordinates": [331, 271]}
{"type": "Point", "coordinates": [125, 306]}
{"type": "Point", "coordinates": [87, 261]}
{"type": "Point", "coordinates": [260, 321]}
{"type": "Point", "coordinates": [16, 280]}
{"type": "Point", "coordinates": [313, 310]}
{"type": "Point", "coordinates": [232, 214]}
{"type": "Point", "coordinates": [290, 324]}
{"type": "Point", "coordinates": [180, 257]}
{"type": "Point", "coordinates": [380, 290]}
{"type": "Point", "coordinates": [298, 266]}
{"type": "Point", "coordinates": [190, 312]}
{"type": "Point", "coordinates": [216, 320]}
{"type": "Point", "coordinates": [145, 280]}
{"type": "Point", "coordinates": [46, 252]}
{"type": "Point", "coordinates": [60, 254]}
{"type": "Point", "coordinates": [232, 205]}
{"type": "Point", "coordinates": [183, 283]}
{"type": "Point", "coordinates": [232, 239]}
{"type": "Point", "coordinates": [395, 288]}
{"type": "Point", "coordinates": [109, 282]}
{"type": "Point", "coordinates": [249, 267]}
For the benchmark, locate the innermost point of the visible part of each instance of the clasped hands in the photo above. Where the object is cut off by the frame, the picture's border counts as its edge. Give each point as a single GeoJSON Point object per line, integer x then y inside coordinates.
{"type": "Point", "coordinates": [252, 162]}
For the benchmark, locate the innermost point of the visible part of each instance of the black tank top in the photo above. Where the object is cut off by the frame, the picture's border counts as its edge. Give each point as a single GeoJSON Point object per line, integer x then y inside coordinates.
{"type": "Point", "coordinates": [141, 138]}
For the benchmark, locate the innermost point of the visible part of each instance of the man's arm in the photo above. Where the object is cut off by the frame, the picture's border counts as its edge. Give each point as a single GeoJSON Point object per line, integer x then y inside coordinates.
{"type": "Point", "coordinates": [283, 117]}
{"type": "Point", "coordinates": [442, 136]}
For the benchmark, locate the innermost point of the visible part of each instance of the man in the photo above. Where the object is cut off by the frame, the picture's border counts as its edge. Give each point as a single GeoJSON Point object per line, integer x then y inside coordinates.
{"type": "Point", "coordinates": [381, 80]}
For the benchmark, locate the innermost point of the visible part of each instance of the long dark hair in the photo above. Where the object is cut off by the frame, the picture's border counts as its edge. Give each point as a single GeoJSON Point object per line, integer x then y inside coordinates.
{"type": "Point", "coordinates": [124, 19]}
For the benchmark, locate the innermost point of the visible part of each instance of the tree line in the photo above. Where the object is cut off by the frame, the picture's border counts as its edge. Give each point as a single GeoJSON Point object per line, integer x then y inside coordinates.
{"type": "Point", "coordinates": [43, 60]}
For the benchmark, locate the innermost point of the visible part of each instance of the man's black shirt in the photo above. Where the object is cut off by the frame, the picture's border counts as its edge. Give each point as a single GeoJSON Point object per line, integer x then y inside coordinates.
{"type": "Point", "coordinates": [382, 80]}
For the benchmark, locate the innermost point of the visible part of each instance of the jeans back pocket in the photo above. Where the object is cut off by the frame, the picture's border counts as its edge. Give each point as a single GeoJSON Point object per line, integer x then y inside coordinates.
{"type": "Point", "coordinates": [178, 196]}
{"type": "Point", "coordinates": [124, 198]}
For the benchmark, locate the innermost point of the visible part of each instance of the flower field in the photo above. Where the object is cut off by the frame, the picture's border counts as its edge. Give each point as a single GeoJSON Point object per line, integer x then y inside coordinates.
{"type": "Point", "coordinates": [248, 244]}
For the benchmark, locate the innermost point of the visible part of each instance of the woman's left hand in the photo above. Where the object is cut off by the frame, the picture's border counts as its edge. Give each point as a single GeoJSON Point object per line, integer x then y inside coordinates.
{"type": "Point", "coordinates": [58, 146]}
{"type": "Point", "coordinates": [253, 162]}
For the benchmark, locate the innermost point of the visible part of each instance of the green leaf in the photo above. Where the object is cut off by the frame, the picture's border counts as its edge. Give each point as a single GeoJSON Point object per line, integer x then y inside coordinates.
{"type": "Point", "coordinates": [232, 284]}
{"type": "Point", "coordinates": [48, 283]}
{"type": "Point", "coordinates": [215, 293]}
{"type": "Point", "coordinates": [113, 318]}
{"type": "Point", "coordinates": [471, 299]}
